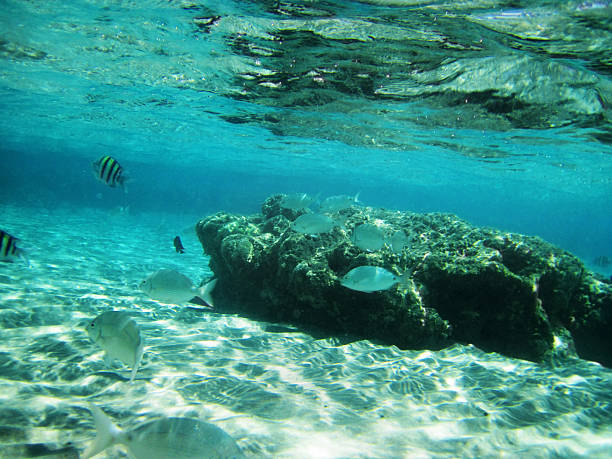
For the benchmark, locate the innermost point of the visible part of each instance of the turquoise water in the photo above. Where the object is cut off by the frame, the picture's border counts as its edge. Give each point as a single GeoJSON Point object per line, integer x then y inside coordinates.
{"type": "Point", "coordinates": [498, 112]}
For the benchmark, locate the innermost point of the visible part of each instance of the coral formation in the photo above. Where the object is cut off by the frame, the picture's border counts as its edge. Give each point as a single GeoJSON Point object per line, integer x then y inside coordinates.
{"type": "Point", "coordinates": [502, 292]}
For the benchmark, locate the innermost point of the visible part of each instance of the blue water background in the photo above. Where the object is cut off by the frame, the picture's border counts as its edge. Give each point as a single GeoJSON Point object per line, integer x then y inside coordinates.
{"type": "Point", "coordinates": [120, 78]}
{"type": "Point", "coordinates": [195, 179]}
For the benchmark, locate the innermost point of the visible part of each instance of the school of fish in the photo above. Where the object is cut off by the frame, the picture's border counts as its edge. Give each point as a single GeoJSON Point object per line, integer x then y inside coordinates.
{"type": "Point", "coordinates": [119, 336]}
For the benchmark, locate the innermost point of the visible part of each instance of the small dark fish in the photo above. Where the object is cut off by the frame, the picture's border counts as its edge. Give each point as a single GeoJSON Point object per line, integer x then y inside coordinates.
{"type": "Point", "coordinates": [109, 171]}
{"type": "Point", "coordinates": [8, 248]}
{"type": "Point", "coordinates": [178, 245]}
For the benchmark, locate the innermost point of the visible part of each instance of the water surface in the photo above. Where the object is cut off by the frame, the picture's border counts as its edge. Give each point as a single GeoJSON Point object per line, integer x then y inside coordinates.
{"type": "Point", "coordinates": [496, 111]}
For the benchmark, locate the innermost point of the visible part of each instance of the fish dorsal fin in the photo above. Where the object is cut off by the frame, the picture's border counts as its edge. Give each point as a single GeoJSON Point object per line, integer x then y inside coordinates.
{"type": "Point", "coordinates": [107, 433]}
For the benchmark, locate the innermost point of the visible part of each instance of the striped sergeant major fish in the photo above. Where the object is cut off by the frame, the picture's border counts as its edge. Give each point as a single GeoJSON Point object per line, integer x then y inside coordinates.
{"type": "Point", "coordinates": [108, 170]}
{"type": "Point", "coordinates": [8, 247]}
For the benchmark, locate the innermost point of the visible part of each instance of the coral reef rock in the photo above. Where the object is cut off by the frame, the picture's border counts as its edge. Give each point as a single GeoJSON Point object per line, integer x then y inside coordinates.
{"type": "Point", "coordinates": [503, 292]}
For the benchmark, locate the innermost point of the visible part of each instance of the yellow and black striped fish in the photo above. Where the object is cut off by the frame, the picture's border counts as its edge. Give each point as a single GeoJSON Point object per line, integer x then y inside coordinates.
{"type": "Point", "coordinates": [109, 171]}
{"type": "Point", "coordinates": [8, 247]}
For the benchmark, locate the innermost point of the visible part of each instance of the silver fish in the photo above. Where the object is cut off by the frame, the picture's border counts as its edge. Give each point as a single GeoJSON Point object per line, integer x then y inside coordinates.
{"type": "Point", "coordinates": [166, 438]}
{"type": "Point", "coordinates": [373, 278]}
{"type": "Point", "coordinates": [119, 335]}
{"type": "Point", "coordinates": [108, 170]}
{"type": "Point", "coordinates": [368, 237]}
{"type": "Point", "coordinates": [170, 286]}
{"type": "Point", "coordinates": [296, 201]}
{"type": "Point", "coordinates": [337, 203]}
{"type": "Point", "coordinates": [313, 224]}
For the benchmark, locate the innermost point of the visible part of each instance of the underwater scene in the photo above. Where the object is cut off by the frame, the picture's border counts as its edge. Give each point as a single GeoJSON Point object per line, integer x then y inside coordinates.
{"type": "Point", "coordinates": [305, 229]}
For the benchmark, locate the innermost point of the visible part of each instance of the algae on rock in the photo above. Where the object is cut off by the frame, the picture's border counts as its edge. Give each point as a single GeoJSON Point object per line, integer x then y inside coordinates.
{"type": "Point", "coordinates": [502, 292]}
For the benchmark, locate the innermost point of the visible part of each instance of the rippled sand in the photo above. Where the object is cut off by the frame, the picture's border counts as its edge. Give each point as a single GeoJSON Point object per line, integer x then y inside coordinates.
{"type": "Point", "coordinates": [279, 392]}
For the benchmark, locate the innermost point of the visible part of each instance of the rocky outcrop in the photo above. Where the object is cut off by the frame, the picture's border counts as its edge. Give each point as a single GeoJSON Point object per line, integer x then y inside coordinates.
{"type": "Point", "coordinates": [503, 292]}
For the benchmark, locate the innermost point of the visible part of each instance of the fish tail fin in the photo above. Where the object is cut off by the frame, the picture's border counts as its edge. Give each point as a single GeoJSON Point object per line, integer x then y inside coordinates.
{"type": "Point", "coordinates": [107, 433]}
{"type": "Point", "coordinates": [22, 254]}
{"type": "Point", "coordinates": [137, 361]}
{"type": "Point", "coordinates": [205, 292]}
{"type": "Point", "coordinates": [356, 198]}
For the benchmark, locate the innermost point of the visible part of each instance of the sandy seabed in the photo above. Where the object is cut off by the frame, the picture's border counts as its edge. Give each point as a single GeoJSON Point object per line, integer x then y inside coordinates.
{"type": "Point", "coordinates": [279, 392]}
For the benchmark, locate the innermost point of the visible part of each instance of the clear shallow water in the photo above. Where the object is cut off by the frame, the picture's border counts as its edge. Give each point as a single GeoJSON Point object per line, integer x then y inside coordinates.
{"type": "Point", "coordinates": [499, 112]}
{"type": "Point", "coordinates": [496, 111]}
{"type": "Point", "coordinates": [277, 391]}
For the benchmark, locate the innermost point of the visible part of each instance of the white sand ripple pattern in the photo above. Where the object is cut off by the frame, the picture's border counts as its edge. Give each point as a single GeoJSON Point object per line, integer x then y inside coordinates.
{"type": "Point", "coordinates": [279, 392]}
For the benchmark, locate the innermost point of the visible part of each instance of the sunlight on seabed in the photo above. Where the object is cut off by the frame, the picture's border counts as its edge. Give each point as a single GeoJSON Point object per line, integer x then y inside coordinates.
{"type": "Point", "coordinates": [279, 394]}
